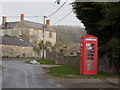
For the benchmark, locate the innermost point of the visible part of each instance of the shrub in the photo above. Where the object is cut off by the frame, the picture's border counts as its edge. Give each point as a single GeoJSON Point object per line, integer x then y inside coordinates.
{"type": "Point", "coordinates": [114, 54]}
{"type": "Point", "coordinates": [111, 50]}
{"type": "Point", "coordinates": [17, 56]}
{"type": "Point", "coordinates": [23, 55]}
{"type": "Point", "coordinates": [5, 56]}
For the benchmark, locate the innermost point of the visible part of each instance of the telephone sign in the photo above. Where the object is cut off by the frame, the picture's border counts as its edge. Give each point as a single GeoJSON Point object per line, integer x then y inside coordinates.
{"type": "Point", "coordinates": [89, 55]}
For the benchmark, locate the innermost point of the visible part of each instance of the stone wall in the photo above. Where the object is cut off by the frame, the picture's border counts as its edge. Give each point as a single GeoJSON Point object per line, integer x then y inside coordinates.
{"type": "Point", "coordinates": [75, 61]}
{"type": "Point", "coordinates": [68, 60]}
{"type": "Point", "coordinates": [18, 51]}
{"type": "Point", "coordinates": [104, 65]}
{"type": "Point", "coordinates": [14, 32]}
{"type": "Point", "coordinates": [52, 39]}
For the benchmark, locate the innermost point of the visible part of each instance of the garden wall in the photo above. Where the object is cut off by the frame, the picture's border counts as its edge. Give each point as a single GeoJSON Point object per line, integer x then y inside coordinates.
{"type": "Point", "coordinates": [103, 63]}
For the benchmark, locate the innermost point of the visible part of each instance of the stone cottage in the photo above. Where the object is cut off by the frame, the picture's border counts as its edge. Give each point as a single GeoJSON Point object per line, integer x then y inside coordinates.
{"type": "Point", "coordinates": [17, 47]}
{"type": "Point", "coordinates": [30, 31]}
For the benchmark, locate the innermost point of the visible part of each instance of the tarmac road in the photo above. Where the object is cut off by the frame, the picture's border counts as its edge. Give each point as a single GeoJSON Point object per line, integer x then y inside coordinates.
{"type": "Point", "coordinates": [0, 75]}
{"type": "Point", "coordinates": [17, 74]}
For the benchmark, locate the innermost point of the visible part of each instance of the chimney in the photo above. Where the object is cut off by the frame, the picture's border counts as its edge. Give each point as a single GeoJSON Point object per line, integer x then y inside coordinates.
{"type": "Point", "coordinates": [47, 22]}
{"type": "Point", "coordinates": [22, 17]}
{"type": "Point", "coordinates": [3, 19]}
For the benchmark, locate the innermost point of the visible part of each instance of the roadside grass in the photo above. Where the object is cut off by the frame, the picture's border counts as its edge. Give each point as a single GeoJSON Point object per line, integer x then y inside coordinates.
{"type": "Point", "coordinates": [36, 58]}
{"type": "Point", "coordinates": [46, 62]}
{"type": "Point", "coordinates": [27, 62]}
{"type": "Point", "coordinates": [65, 71]}
{"type": "Point", "coordinates": [62, 71]}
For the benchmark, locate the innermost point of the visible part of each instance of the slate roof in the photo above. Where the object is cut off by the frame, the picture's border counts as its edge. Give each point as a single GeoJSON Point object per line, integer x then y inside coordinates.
{"type": "Point", "coordinates": [34, 24]}
{"type": "Point", "coordinates": [12, 24]}
{"type": "Point", "coordinates": [9, 25]}
{"type": "Point", "coordinates": [37, 25]}
{"type": "Point", "coordinates": [30, 24]}
{"type": "Point", "coordinates": [14, 41]}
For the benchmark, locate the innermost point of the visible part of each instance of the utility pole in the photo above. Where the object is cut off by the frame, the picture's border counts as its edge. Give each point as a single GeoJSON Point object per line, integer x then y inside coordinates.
{"type": "Point", "coordinates": [44, 36]}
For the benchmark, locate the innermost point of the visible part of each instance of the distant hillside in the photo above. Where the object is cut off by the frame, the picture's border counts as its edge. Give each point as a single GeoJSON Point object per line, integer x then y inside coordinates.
{"type": "Point", "coordinates": [69, 33]}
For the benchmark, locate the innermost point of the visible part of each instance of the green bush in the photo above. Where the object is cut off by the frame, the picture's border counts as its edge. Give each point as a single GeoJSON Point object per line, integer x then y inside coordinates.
{"type": "Point", "coordinates": [5, 56]}
{"type": "Point", "coordinates": [114, 52]}
{"type": "Point", "coordinates": [23, 55]}
{"type": "Point", "coordinates": [111, 50]}
{"type": "Point", "coordinates": [9, 36]}
{"type": "Point", "coordinates": [17, 56]}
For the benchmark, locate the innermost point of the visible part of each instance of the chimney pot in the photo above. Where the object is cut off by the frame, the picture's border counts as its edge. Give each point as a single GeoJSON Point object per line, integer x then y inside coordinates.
{"type": "Point", "coordinates": [3, 19]}
{"type": "Point", "coordinates": [22, 17]}
{"type": "Point", "coordinates": [47, 22]}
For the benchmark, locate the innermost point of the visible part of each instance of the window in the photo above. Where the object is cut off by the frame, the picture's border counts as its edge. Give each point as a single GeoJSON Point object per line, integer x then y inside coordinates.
{"type": "Point", "coordinates": [1, 32]}
{"type": "Point", "coordinates": [50, 35]}
{"type": "Point", "coordinates": [20, 32]}
{"type": "Point", "coordinates": [9, 32]}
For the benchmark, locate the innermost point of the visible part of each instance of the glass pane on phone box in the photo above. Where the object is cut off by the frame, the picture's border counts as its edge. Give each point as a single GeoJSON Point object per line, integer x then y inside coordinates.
{"type": "Point", "coordinates": [89, 61]}
{"type": "Point", "coordinates": [89, 65]}
{"type": "Point", "coordinates": [89, 68]}
{"type": "Point", "coordinates": [90, 54]}
{"type": "Point", "coordinates": [89, 48]}
{"type": "Point", "coordinates": [90, 51]}
{"type": "Point", "coordinates": [90, 44]}
{"type": "Point", "coordinates": [91, 58]}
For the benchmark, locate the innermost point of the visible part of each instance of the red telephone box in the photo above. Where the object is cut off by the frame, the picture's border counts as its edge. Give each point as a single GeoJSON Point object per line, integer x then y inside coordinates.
{"type": "Point", "coordinates": [89, 55]}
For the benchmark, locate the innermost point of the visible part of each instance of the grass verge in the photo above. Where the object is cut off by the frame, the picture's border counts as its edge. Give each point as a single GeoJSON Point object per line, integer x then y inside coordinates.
{"type": "Point", "coordinates": [27, 62]}
{"type": "Point", "coordinates": [47, 62]}
{"type": "Point", "coordinates": [62, 71]}
{"type": "Point", "coordinates": [65, 71]}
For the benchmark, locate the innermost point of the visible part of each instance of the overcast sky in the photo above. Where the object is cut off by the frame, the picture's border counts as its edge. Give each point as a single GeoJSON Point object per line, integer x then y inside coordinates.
{"type": "Point", "coordinates": [39, 9]}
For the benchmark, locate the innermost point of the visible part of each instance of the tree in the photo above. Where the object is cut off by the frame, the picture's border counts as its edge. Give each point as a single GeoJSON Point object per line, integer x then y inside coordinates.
{"type": "Point", "coordinates": [47, 45]}
{"type": "Point", "coordinates": [103, 20]}
{"type": "Point", "coordinates": [100, 19]}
